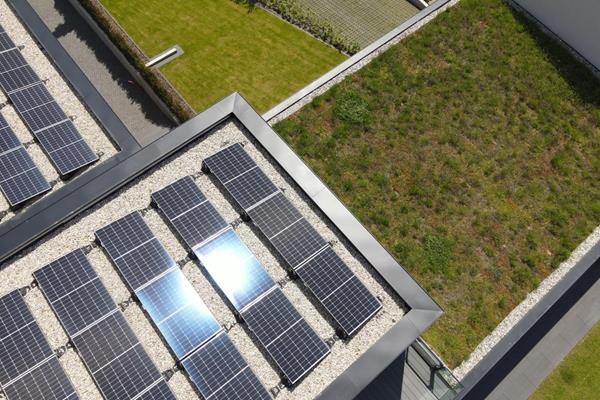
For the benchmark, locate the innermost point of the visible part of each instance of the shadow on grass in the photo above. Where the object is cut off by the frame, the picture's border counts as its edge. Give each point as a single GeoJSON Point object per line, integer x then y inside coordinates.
{"type": "Point", "coordinates": [578, 75]}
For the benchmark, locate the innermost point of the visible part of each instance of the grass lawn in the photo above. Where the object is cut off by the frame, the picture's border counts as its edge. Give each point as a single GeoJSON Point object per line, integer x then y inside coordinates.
{"type": "Point", "coordinates": [226, 49]}
{"type": "Point", "coordinates": [471, 150]}
{"type": "Point", "coordinates": [578, 375]}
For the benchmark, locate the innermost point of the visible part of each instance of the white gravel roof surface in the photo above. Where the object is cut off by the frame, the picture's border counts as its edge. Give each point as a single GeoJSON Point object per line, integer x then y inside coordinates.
{"type": "Point", "coordinates": [136, 196]}
{"type": "Point", "coordinates": [64, 96]}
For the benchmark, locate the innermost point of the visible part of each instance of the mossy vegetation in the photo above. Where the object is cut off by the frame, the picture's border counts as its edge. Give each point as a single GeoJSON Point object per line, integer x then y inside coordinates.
{"type": "Point", "coordinates": [471, 150]}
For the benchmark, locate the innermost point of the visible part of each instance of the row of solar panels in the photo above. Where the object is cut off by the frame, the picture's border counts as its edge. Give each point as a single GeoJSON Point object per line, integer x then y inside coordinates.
{"type": "Point", "coordinates": [20, 179]}
{"type": "Point", "coordinates": [212, 362]}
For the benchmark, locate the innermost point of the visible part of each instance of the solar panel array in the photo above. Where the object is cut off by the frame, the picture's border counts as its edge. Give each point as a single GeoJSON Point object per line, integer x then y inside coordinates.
{"type": "Point", "coordinates": [289, 340]}
{"type": "Point", "coordinates": [213, 363]}
{"type": "Point", "coordinates": [306, 252]}
{"type": "Point", "coordinates": [20, 178]}
{"type": "Point", "coordinates": [43, 116]}
{"type": "Point", "coordinates": [29, 368]}
{"type": "Point", "coordinates": [104, 340]}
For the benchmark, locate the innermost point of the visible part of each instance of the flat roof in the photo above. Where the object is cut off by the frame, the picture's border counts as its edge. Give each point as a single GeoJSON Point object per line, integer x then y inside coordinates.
{"type": "Point", "coordinates": [66, 99]}
{"type": "Point", "coordinates": [125, 185]}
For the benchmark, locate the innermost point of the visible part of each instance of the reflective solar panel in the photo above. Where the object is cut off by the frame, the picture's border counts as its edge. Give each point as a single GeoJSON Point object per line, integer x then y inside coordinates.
{"type": "Point", "coordinates": [111, 352]}
{"type": "Point", "coordinates": [219, 371]}
{"type": "Point", "coordinates": [178, 312]}
{"type": "Point", "coordinates": [342, 294]}
{"type": "Point", "coordinates": [5, 42]}
{"type": "Point", "coordinates": [18, 78]}
{"type": "Point", "coordinates": [274, 215]}
{"type": "Point", "coordinates": [11, 59]}
{"type": "Point", "coordinates": [234, 269]}
{"type": "Point", "coordinates": [48, 382]}
{"type": "Point", "coordinates": [229, 163]}
{"type": "Point", "coordinates": [30, 97]}
{"type": "Point", "coordinates": [298, 242]}
{"type": "Point", "coordinates": [20, 178]}
{"type": "Point", "coordinates": [290, 341]}
{"type": "Point", "coordinates": [75, 292]}
{"type": "Point", "coordinates": [186, 207]}
{"type": "Point", "coordinates": [28, 367]}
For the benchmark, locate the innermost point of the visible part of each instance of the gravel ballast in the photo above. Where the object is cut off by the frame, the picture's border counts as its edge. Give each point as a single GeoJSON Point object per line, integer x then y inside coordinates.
{"type": "Point", "coordinates": [136, 196]}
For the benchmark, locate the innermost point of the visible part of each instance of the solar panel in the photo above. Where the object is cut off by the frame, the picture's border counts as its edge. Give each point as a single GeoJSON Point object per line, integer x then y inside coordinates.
{"type": "Point", "coordinates": [290, 341]}
{"type": "Point", "coordinates": [178, 312]}
{"type": "Point", "coordinates": [124, 235]}
{"type": "Point", "coordinates": [8, 140]}
{"type": "Point", "coordinates": [18, 78]}
{"type": "Point", "coordinates": [5, 42]}
{"type": "Point", "coordinates": [28, 367]}
{"type": "Point", "coordinates": [109, 349]}
{"type": "Point", "coordinates": [11, 59]}
{"type": "Point", "coordinates": [186, 207]}
{"type": "Point", "coordinates": [298, 242]}
{"type": "Point", "coordinates": [48, 382]}
{"type": "Point", "coordinates": [342, 294]}
{"type": "Point", "coordinates": [234, 269]}
{"type": "Point", "coordinates": [20, 178]}
{"type": "Point", "coordinates": [219, 371]}
{"type": "Point", "coordinates": [43, 116]}
{"type": "Point", "coordinates": [30, 97]}
{"type": "Point", "coordinates": [160, 391]}
{"type": "Point", "coordinates": [230, 162]}
{"type": "Point", "coordinates": [240, 176]}
{"type": "Point", "coordinates": [274, 215]}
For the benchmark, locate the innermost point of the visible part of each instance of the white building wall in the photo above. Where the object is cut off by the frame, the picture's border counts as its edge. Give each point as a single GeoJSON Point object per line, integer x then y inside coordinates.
{"type": "Point", "coordinates": [577, 22]}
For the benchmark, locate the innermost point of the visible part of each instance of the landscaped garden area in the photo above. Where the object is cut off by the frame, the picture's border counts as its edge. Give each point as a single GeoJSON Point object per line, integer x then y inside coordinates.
{"type": "Point", "coordinates": [227, 48]}
{"type": "Point", "coordinates": [578, 375]}
{"type": "Point", "coordinates": [470, 150]}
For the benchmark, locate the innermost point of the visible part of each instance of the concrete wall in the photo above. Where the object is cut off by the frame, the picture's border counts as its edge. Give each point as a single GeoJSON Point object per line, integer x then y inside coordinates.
{"type": "Point", "coordinates": [577, 22]}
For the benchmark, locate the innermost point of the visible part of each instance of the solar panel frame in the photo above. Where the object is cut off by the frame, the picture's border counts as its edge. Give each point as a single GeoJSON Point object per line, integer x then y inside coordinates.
{"type": "Point", "coordinates": [48, 382]}
{"type": "Point", "coordinates": [219, 370]}
{"type": "Point", "coordinates": [290, 341]}
{"type": "Point", "coordinates": [18, 78]}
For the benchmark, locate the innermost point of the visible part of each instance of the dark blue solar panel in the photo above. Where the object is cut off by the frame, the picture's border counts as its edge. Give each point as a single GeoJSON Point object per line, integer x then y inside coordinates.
{"type": "Point", "coordinates": [124, 235]}
{"type": "Point", "coordinates": [10, 60]}
{"type": "Point", "coordinates": [274, 215]}
{"type": "Point", "coordinates": [20, 178]}
{"type": "Point", "coordinates": [43, 116]}
{"type": "Point", "coordinates": [186, 207]}
{"type": "Point", "coordinates": [342, 294]}
{"type": "Point", "coordinates": [8, 139]}
{"type": "Point", "coordinates": [75, 292]}
{"type": "Point", "coordinates": [234, 269]}
{"type": "Point", "coordinates": [219, 371]}
{"type": "Point", "coordinates": [144, 263]}
{"type": "Point", "coordinates": [5, 42]}
{"type": "Point", "coordinates": [48, 382]}
{"type": "Point", "coordinates": [18, 78]}
{"type": "Point", "coordinates": [159, 392]}
{"type": "Point", "coordinates": [178, 312]}
{"type": "Point", "coordinates": [229, 163]}
{"type": "Point", "coordinates": [298, 242]}
{"type": "Point", "coordinates": [290, 341]}
{"type": "Point", "coordinates": [13, 313]}
{"type": "Point", "coordinates": [30, 97]}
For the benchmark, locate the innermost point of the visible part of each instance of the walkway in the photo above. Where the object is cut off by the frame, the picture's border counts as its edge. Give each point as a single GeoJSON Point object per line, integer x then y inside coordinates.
{"type": "Point", "coordinates": [131, 104]}
{"type": "Point", "coordinates": [522, 381]}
